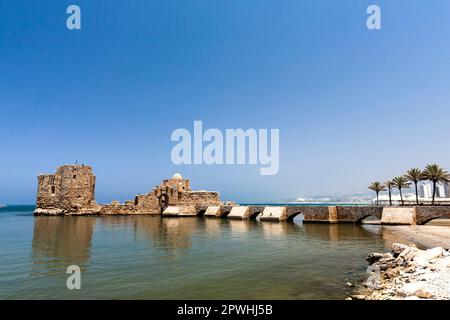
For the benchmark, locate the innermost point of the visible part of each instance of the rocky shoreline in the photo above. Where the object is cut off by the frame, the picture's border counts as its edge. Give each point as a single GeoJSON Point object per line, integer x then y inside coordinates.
{"type": "Point", "coordinates": [407, 273]}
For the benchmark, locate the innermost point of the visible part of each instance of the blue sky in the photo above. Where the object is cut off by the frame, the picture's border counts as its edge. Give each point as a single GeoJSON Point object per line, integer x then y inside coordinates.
{"type": "Point", "coordinates": [352, 105]}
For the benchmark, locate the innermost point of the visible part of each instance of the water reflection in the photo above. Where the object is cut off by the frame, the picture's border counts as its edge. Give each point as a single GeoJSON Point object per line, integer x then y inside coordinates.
{"type": "Point", "coordinates": [339, 232]}
{"type": "Point", "coordinates": [61, 241]}
{"type": "Point", "coordinates": [273, 230]}
{"type": "Point", "coordinates": [239, 227]}
{"type": "Point", "coordinates": [194, 258]}
{"type": "Point", "coordinates": [213, 227]}
{"type": "Point", "coordinates": [166, 233]}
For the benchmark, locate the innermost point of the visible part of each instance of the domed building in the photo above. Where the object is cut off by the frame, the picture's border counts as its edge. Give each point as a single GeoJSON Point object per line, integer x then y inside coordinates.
{"type": "Point", "coordinates": [72, 191]}
{"type": "Point", "coordinates": [177, 183]}
{"type": "Point", "coordinates": [177, 176]}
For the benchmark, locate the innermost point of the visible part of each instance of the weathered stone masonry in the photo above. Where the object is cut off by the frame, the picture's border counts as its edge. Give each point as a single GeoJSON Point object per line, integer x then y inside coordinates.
{"type": "Point", "coordinates": [71, 191]}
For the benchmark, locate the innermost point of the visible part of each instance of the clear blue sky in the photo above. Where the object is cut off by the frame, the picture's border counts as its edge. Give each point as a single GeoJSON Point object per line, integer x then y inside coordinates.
{"type": "Point", "coordinates": [352, 105]}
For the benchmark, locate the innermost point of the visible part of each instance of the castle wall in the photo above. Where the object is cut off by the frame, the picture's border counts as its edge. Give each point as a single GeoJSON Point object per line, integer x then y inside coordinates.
{"type": "Point", "coordinates": [48, 193]}
{"type": "Point", "coordinates": [206, 198]}
{"type": "Point", "coordinates": [77, 187]}
{"type": "Point", "coordinates": [70, 189]}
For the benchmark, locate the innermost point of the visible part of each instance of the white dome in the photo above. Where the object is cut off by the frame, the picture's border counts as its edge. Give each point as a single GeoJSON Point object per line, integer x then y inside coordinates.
{"type": "Point", "coordinates": [177, 176]}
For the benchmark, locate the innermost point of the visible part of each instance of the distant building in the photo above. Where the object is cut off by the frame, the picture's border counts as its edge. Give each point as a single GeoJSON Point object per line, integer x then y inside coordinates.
{"type": "Point", "coordinates": [425, 190]}
{"type": "Point", "coordinates": [442, 190]}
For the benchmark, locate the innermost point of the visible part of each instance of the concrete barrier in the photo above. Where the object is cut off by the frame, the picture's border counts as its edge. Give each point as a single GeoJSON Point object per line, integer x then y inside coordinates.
{"type": "Point", "coordinates": [213, 211]}
{"type": "Point", "coordinates": [180, 211]}
{"type": "Point", "coordinates": [274, 213]}
{"type": "Point", "coordinates": [241, 212]}
{"type": "Point", "coordinates": [398, 215]}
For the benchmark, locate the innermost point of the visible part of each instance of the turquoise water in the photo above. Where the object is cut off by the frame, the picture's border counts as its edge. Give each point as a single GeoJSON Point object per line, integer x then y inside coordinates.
{"type": "Point", "coordinates": [145, 257]}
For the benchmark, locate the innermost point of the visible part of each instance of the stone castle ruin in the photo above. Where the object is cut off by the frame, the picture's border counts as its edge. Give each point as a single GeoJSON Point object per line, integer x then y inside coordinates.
{"type": "Point", "coordinates": [71, 191]}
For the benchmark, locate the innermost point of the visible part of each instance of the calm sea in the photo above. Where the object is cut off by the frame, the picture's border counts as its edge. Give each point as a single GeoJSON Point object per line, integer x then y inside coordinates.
{"type": "Point", "coordinates": [148, 257]}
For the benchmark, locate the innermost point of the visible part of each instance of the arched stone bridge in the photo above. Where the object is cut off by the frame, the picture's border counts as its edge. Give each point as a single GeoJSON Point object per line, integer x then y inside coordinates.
{"type": "Point", "coordinates": [327, 214]}
{"type": "Point", "coordinates": [318, 214]}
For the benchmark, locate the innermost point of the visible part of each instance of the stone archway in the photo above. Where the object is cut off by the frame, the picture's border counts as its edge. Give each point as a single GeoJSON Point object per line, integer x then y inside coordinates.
{"type": "Point", "coordinates": [163, 202]}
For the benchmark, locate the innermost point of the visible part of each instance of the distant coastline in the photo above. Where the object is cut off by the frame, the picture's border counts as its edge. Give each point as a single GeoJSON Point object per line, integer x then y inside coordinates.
{"type": "Point", "coordinates": [295, 203]}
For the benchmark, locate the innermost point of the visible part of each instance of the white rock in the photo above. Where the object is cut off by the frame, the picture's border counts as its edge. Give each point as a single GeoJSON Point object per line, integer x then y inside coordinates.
{"type": "Point", "coordinates": [417, 289]}
{"type": "Point", "coordinates": [444, 262]}
{"type": "Point", "coordinates": [421, 262]}
{"type": "Point", "coordinates": [431, 254]}
{"type": "Point", "coordinates": [424, 293]}
{"type": "Point", "coordinates": [412, 298]}
{"type": "Point", "coordinates": [410, 289]}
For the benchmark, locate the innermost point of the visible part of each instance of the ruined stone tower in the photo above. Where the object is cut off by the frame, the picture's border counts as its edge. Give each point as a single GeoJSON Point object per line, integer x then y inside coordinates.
{"type": "Point", "coordinates": [71, 191]}
{"type": "Point", "coordinates": [71, 188]}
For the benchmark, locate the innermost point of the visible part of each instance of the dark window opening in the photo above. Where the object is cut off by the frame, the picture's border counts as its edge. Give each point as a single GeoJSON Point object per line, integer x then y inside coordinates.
{"type": "Point", "coordinates": [53, 189]}
{"type": "Point", "coordinates": [74, 176]}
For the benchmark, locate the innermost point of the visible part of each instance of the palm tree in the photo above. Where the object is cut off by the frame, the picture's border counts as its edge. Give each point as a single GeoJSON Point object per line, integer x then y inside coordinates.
{"type": "Point", "coordinates": [390, 185]}
{"type": "Point", "coordinates": [414, 175]}
{"type": "Point", "coordinates": [377, 187]}
{"type": "Point", "coordinates": [435, 174]}
{"type": "Point", "coordinates": [401, 183]}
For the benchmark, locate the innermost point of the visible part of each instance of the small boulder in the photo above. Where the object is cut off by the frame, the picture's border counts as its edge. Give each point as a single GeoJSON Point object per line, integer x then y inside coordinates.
{"type": "Point", "coordinates": [424, 293]}
{"type": "Point", "coordinates": [374, 257]}
{"type": "Point", "coordinates": [398, 248]}
{"type": "Point", "coordinates": [388, 256]}
{"type": "Point", "coordinates": [410, 255]}
{"type": "Point", "coordinates": [417, 289]}
{"type": "Point", "coordinates": [431, 254]}
{"type": "Point", "coordinates": [391, 273]}
{"type": "Point", "coordinates": [421, 262]}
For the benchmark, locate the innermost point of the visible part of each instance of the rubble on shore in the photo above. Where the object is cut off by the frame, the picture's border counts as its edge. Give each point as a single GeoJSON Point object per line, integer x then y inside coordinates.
{"type": "Point", "coordinates": [407, 273]}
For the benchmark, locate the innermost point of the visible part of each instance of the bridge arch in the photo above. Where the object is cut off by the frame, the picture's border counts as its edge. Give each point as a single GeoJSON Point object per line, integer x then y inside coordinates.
{"type": "Point", "coordinates": [255, 215]}
{"type": "Point", "coordinates": [201, 212]}
{"type": "Point", "coordinates": [361, 218]}
{"type": "Point", "coordinates": [431, 219]}
{"type": "Point", "coordinates": [295, 214]}
{"type": "Point", "coordinates": [425, 214]}
{"type": "Point", "coordinates": [254, 212]}
{"type": "Point", "coordinates": [225, 213]}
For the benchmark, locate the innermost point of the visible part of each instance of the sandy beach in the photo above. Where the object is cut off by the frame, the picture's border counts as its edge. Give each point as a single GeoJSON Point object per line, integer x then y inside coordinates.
{"type": "Point", "coordinates": [427, 236]}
